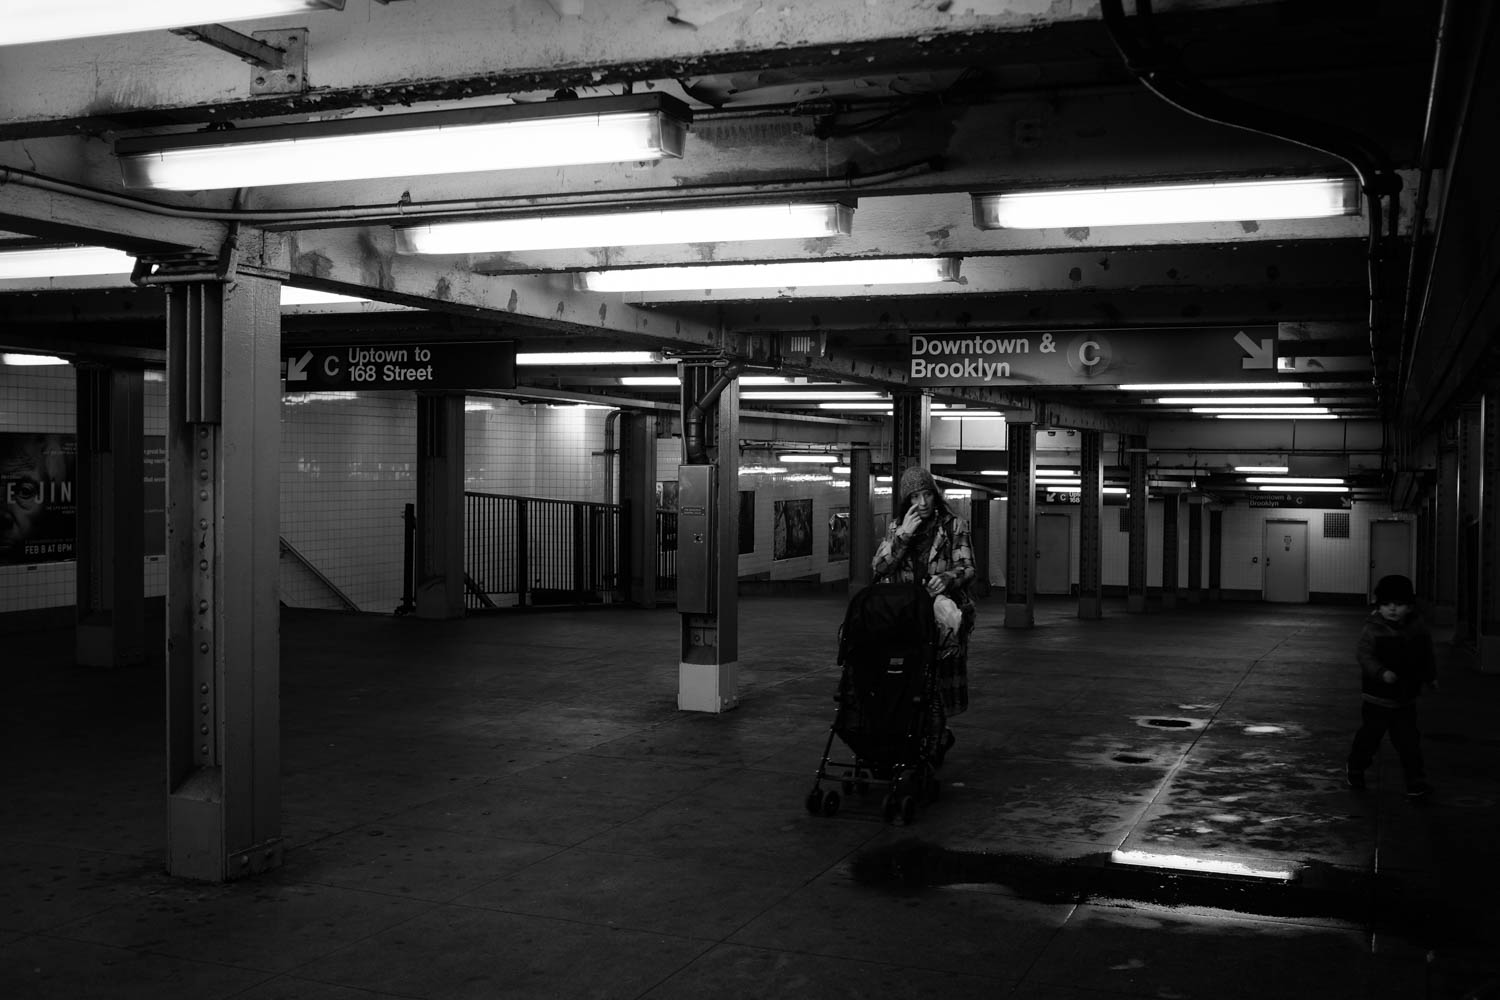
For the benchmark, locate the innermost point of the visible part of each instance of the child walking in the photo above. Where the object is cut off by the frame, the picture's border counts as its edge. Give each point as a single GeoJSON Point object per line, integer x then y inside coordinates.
{"type": "Point", "coordinates": [1396, 661]}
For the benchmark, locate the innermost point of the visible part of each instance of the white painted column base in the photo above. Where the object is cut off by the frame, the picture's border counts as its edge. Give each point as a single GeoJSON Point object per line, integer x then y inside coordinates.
{"type": "Point", "coordinates": [708, 687]}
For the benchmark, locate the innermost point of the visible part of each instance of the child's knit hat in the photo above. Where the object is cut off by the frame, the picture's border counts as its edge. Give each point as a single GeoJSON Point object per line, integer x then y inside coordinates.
{"type": "Point", "coordinates": [1395, 589]}
{"type": "Point", "coordinates": [916, 478]}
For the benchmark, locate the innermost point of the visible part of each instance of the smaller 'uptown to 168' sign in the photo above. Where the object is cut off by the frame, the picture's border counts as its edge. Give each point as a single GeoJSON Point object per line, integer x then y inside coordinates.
{"type": "Point", "coordinates": [401, 366]}
{"type": "Point", "coordinates": [1093, 357]}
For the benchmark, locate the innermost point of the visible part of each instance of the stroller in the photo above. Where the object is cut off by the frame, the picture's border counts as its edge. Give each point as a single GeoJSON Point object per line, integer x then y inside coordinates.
{"type": "Point", "coordinates": [889, 713]}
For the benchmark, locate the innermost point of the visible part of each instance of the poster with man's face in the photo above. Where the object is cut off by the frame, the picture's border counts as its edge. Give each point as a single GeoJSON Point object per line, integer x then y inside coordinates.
{"type": "Point", "coordinates": [38, 506]}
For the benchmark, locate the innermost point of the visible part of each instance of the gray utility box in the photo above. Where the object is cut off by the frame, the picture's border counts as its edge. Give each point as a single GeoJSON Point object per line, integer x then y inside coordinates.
{"type": "Point", "coordinates": [697, 521]}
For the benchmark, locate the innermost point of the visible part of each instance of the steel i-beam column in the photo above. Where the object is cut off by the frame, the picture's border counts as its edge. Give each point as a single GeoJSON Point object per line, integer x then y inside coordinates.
{"type": "Point", "coordinates": [1020, 525]}
{"type": "Point", "coordinates": [1135, 599]}
{"type": "Point", "coordinates": [110, 548]}
{"type": "Point", "coordinates": [1488, 643]}
{"type": "Point", "coordinates": [1215, 554]}
{"type": "Point", "coordinates": [638, 506]}
{"type": "Point", "coordinates": [440, 505]}
{"type": "Point", "coordinates": [979, 538]}
{"type": "Point", "coordinates": [708, 540]}
{"type": "Point", "coordinates": [1171, 511]}
{"type": "Point", "coordinates": [1195, 553]}
{"type": "Point", "coordinates": [1090, 534]}
{"type": "Point", "coordinates": [223, 618]}
{"type": "Point", "coordinates": [911, 415]}
{"type": "Point", "coordinates": [861, 519]}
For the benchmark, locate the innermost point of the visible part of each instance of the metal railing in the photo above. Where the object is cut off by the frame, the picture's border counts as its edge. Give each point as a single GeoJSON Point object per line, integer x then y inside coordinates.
{"type": "Point", "coordinates": [666, 550]}
{"type": "Point", "coordinates": [533, 551]}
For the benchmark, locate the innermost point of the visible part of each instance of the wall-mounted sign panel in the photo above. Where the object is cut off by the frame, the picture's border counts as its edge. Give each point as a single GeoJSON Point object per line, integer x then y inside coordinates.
{"type": "Point", "coordinates": [1306, 501]}
{"type": "Point", "coordinates": [473, 366]}
{"type": "Point", "coordinates": [1093, 357]}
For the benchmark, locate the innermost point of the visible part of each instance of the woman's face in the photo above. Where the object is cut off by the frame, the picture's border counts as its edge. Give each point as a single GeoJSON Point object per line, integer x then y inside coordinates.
{"type": "Point", "coordinates": [924, 502]}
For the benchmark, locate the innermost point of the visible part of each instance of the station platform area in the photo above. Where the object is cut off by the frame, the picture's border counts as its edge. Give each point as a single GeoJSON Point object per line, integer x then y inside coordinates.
{"type": "Point", "coordinates": [513, 806]}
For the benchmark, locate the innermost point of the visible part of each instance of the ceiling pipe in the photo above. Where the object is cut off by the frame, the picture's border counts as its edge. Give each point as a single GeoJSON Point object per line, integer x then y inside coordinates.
{"type": "Point", "coordinates": [693, 417]}
{"type": "Point", "coordinates": [1154, 68]}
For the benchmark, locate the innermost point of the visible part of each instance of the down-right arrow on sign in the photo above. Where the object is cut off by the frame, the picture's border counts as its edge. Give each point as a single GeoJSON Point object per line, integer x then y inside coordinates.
{"type": "Point", "coordinates": [1259, 354]}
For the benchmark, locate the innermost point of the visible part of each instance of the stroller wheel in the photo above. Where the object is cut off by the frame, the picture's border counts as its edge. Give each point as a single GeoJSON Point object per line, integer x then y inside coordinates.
{"type": "Point", "coordinates": [889, 806]}
{"type": "Point", "coordinates": [814, 801]}
{"type": "Point", "coordinates": [908, 809]}
{"type": "Point", "coordinates": [831, 804]}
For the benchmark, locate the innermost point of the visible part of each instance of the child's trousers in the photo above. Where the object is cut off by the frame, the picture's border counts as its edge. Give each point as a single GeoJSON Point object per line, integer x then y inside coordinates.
{"type": "Point", "coordinates": [1401, 723]}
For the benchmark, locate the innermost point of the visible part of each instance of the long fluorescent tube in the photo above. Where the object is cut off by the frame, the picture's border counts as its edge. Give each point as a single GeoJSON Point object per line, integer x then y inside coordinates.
{"type": "Point", "coordinates": [1263, 469]}
{"type": "Point", "coordinates": [31, 360]}
{"type": "Point", "coordinates": [809, 458]}
{"type": "Point", "coordinates": [1298, 480]}
{"type": "Point", "coordinates": [590, 358]}
{"type": "Point", "coordinates": [789, 274]}
{"type": "Point", "coordinates": [1219, 201]}
{"type": "Point", "coordinates": [1275, 416]}
{"type": "Point", "coordinates": [857, 405]}
{"type": "Point", "coordinates": [293, 296]}
{"type": "Point", "coordinates": [645, 227]}
{"type": "Point", "coordinates": [1209, 386]}
{"type": "Point", "coordinates": [64, 262]}
{"type": "Point", "coordinates": [812, 395]}
{"type": "Point", "coordinates": [1237, 401]}
{"type": "Point", "coordinates": [502, 137]}
{"type": "Point", "coordinates": [1303, 489]}
{"type": "Point", "coordinates": [51, 20]}
{"type": "Point", "coordinates": [1282, 410]}
{"type": "Point", "coordinates": [671, 380]}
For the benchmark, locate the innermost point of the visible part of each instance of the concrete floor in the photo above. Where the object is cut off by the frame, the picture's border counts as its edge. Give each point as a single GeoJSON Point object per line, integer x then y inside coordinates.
{"type": "Point", "coordinates": [512, 806]}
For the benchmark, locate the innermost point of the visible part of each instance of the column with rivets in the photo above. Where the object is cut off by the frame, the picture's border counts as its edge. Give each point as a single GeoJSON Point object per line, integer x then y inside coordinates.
{"type": "Point", "coordinates": [223, 626]}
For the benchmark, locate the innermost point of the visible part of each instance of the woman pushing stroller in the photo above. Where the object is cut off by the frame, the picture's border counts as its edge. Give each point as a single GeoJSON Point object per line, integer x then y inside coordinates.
{"type": "Point", "coordinates": [928, 544]}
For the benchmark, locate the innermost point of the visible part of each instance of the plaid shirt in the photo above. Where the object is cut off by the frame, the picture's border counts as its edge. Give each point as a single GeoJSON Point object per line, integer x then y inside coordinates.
{"type": "Point", "coordinates": [950, 552]}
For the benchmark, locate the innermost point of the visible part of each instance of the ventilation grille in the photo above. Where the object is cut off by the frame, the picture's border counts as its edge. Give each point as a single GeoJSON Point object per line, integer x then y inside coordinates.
{"type": "Point", "coordinates": [1335, 525]}
{"type": "Point", "coordinates": [1124, 513]}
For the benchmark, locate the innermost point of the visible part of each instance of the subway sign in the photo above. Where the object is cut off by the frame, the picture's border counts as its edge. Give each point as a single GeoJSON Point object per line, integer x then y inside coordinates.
{"type": "Point", "coordinates": [468, 365]}
{"type": "Point", "coordinates": [1093, 357]}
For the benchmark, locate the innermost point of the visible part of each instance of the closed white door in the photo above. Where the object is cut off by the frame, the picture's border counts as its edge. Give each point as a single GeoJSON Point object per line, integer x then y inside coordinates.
{"type": "Point", "coordinates": [1390, 551]}
{"type": "Point", "coordinates": [1053, 553]}
{"type": "Point", "coordinates": [1285, 562]}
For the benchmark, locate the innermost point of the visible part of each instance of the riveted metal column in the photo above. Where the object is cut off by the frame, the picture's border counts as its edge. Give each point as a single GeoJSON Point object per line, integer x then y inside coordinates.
{"type": "Point", "coordinates": [1195, 553]}
{"type": "Point", "coordinates": [1215, 554]}
{"type": "Point", "coordinates": [1489, 533]}
{"type": "Point", "coordinates": [1135, 598]}
{"type": "Point", "coordinates": [1171, 511]}
{"type": "Point", "coordinates": [1020, 524]}
{"type": "Point", "coordinates": [911, 413]}
{"type": "Point", "coordinates": [1470, 478]}
{"type": "Point", "coordinates": [110, 551]}
{"type": "Point", "coordinates": [1445, 527]}
{"type": "Point", "coordinates": [979, 539]}
{"type": "Point", "coordinates": [440, 505]}
{"type": "Point", "coordinates": [638, 507]}
{"type": "Point", "coordinates": [223, 618]}
{"type": "Point", "coordinates": [861, 519]}
{"type": "Point", "coordinates": [708, 501]}
{"type": "Point", "coordinates": [1090, 534]}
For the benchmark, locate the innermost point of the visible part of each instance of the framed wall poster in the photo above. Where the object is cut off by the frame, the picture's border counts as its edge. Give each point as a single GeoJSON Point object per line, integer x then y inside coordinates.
{"type": "Point", "coordinates": [838, 533]}
{"type": "Point", "coordinates": [793, 534]}
{"type": "Point", "coordinates": [37, 475]}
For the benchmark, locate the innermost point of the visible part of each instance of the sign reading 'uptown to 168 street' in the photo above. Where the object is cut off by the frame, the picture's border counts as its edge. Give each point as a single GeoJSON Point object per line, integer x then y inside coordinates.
{"type": "Point", "coordinates": [401, 366]}
{"type": "Point", "coordinates": [1093, 357]}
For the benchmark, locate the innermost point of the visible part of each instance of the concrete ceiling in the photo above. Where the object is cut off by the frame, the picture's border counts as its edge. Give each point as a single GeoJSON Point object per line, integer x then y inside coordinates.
{"type": "Point", "coordinates": [903, 109]}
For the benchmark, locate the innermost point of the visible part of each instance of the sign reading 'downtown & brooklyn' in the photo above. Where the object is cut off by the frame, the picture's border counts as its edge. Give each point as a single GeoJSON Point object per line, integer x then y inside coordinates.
{"type": "Point", "coordinates": [1094, 357]}
{"type": "Point", "coordinates": [401, 366]}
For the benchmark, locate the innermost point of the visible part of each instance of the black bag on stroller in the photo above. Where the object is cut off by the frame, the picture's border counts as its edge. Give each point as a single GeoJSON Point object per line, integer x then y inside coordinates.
{"type": "Point", "coordinates": [889, 714]}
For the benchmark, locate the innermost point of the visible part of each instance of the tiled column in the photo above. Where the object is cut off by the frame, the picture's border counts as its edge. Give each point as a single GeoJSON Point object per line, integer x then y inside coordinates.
{"type": "Point", "coordinates": [1020, 525]}
{"type": "Point", "coordinates": [861, 519]}
{"type": "Point", "coordinates": [223, 615]}
{"type": "Point", "coordinates": [1135, 598]}
{"type": "Point", "coordinates": [1171, 511]}
{"type": "Point", "coordinates": [440, 505]}
{"type": "Point", "coordinates": [1090, 534]}
{"type": "Point", "coordinates": [1195, 553]}
{"type": "Point", "coordinates": [110, 546]}
{"type": "Point", "coordinates": [638, 507]}
{"type": "Point", "coordinates": [1215, 554]}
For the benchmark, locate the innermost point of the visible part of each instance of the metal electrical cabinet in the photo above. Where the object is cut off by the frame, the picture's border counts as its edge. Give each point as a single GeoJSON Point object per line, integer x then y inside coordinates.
{"type": "Point", "coordinates": [697, 519]}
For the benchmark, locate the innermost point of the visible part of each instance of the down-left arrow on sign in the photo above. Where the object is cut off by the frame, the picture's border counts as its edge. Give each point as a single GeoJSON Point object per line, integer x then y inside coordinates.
{"type": "Point", "coordinates": [1262, 353]}
{"type": "Point", "coordinates": [296, 368]}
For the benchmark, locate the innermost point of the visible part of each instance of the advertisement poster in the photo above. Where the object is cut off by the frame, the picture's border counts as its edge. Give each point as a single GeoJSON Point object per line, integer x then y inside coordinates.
{"type": "Point", "coordinates": [838, 533]}
{"type": "Point", "coordinates": [38, 473]}
{"type": "Point", "coordinates": [154, 475]}
{"type": "Point", "coordinates": [793, 529]}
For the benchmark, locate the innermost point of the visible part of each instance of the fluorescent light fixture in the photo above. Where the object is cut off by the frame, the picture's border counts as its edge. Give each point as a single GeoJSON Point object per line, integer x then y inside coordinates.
{"type": "Point", "coordinates": [642, 227]}
{"type": "Point", "coordinates": [958, 494]}
{"type": "Point", "coordinates": [813, 395]}
{"type": "Point", "coordinates": [842, 470]}
{"type": "Point", "coordinates": [292, 296]}
{"type": "Point", "coordinates": [52, 20]}
{"type": "Point", "coordinates": [940, 410]}
{"type": "Point", "coordinates": [30, 360]}
{"type": "Point", "coordinates": [1280, 871]}
{"type": "Point", "coordinates": [1214, 201]}
{"type": "Point", "coordinates": [1237, 401]}
{"type": "Point", "coordinates": [1303, 489]}
{"type": "Point", "coordinates": [1299, 480]}
{"type": "Point", "coordinates": [501, 137]}
{"type": "Point", "coordinates": [1116, 490]}
{"type": "Point", "coordinates": [1265, 469]}
{"type": "Point", "coordinates": [590, 358]}
{"type": "Point", "coordinates": [875, 274]}
{"type": "Point", "coordinates": [807, 477]}
{"type": "Point", "coordinates": [1275, 416]}
{"type": "Point", "coordinates": [761, 470]}
{"type": "Point", "coordinates": [858, 405]}
{"type": "Point", "coordinates": [1209, 386]}
{"type": "Point", "coordinates": [883, 479]}
{"type": "Point", "coordinates": [477, 405]}
{"type": "Point", "coordinates": [994, 472]}
{"type": "Point", "coordinates": [808, 458]}
{"type": "Point", "coordinates": [671, 380]}
{"type": "Point", "coordinates": [1282, 410]}
{"type": "Point", "coordinates": [64, 262]}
